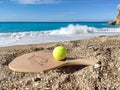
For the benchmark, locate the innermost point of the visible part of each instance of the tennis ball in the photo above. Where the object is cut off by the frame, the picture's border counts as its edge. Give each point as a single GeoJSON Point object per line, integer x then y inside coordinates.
{"type": "Point", "coordinates": [59, 53]}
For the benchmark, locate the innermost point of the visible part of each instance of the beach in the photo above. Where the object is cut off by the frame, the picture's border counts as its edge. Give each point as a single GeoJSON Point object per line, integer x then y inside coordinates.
{"type": "Point", "coordinates": [105, 75]}
{"type": "Point", "coordinates": [88, 29]}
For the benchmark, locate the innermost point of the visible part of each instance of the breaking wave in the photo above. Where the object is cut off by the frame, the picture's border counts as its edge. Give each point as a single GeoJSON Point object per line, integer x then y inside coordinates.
{"type": "Point", "coordinates": [71, 29]}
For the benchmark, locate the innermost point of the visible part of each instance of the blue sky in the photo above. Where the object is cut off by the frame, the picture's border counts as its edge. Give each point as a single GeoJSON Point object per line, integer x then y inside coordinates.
{"type": "Point", "coordinates": [58, 10]}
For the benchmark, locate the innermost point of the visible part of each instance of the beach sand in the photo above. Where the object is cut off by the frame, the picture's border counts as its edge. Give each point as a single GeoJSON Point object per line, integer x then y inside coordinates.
{"type": "Point", "coordinates": [103, 76]}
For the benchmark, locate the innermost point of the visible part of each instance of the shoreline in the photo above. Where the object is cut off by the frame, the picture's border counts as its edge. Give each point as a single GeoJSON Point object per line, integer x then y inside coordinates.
{"type": "Point", "coordinates": [64, 32]}
{"type": "Point", "coordinates": [104, 48]}
{"type": "Point", "coordinates": [55, 39]}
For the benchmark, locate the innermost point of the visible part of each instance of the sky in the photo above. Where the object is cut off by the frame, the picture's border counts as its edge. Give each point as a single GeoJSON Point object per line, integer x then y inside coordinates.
{"type": "Point", "coordinates": [57, 10]}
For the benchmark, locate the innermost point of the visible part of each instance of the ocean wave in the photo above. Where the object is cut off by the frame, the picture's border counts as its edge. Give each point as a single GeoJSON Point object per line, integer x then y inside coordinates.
{"type": "Point", "coordinates": [76, 30]}
{"type": "Point", "coordinates": [69, 30]}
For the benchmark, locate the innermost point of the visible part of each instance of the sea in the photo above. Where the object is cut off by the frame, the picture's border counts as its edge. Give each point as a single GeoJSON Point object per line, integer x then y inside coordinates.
{"type": "Point", "coordinates": [21, 33]}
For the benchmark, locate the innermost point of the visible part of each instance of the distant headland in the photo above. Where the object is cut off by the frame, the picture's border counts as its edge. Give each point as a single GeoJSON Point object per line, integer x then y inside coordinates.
{"type": "Point", "coordinates": [116, 21]}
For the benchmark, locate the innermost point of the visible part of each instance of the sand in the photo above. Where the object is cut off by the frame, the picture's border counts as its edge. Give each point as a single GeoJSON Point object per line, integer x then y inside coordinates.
{"type": "Point", "coordinates": [103, 76]}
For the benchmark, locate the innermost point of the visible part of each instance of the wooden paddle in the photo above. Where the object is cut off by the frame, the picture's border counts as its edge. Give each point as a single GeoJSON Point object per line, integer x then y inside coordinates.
{"type": "Point", "coordinates": [41, 61]}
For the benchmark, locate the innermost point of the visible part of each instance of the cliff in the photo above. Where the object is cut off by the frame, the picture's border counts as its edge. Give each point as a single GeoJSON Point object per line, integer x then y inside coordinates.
{"type": "Point", "coordinates": [116, 21]}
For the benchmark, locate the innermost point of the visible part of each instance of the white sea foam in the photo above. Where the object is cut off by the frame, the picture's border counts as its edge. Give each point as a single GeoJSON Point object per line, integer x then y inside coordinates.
{"type": "Point", "coordinates": [71, 32]}
{"type": "Point", "coordinates": [74, 29]}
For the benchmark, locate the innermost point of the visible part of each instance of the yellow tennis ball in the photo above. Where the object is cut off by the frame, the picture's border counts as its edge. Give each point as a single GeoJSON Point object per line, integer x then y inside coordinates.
{"type": "Point", "coordinates": [59, 53]}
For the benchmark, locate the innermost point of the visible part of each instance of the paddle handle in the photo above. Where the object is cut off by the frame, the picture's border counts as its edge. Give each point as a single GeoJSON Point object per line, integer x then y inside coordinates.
{"type": "Point", "coordinates": [81, 62]}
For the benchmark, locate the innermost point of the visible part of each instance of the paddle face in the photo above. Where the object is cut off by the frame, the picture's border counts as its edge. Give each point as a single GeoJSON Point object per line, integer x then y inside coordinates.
{"type": "Point", "coordinates": [35, 62]}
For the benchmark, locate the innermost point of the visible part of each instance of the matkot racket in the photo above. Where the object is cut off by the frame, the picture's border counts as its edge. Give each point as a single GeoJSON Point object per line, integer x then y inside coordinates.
{"type": "Point", "coordinates": [41, 61]}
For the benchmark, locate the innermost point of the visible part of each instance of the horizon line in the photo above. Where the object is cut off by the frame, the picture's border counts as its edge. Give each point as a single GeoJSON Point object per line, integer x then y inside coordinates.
{"type": "Point", "coordinates": [54, 21]}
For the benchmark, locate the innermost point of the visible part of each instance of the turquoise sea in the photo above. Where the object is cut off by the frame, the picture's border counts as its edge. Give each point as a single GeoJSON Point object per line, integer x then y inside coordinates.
{"type": "Point", "coordinates": [10, 27]}
{"type": "Point", "coordinates": [19, 33]}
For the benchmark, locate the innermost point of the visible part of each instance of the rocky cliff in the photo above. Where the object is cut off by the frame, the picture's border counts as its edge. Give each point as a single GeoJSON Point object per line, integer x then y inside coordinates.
{"type": "Point", "coordinates": [116, 21]}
